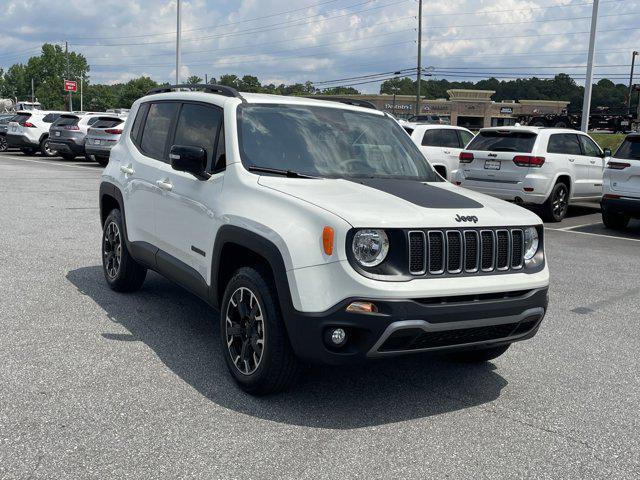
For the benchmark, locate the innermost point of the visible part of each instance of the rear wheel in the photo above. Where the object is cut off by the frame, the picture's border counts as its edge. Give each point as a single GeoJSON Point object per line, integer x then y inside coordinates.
{"type": "Point", "coordinates": [46, 150]}
{"type": "Point", "coordinates": [28, 150]}
{"type": "Point", "coordinates": [68, 156]}
{"type": "Point", "coordinates": [254, 339]}
{"type": "Point", "coordinates": [3, 144]}
{"type": "Point", "coordinates": [122, 272]}
{"type": "Point", "coordinates": [478, 356]}
{"type": "Point", "coordinates": [554, 209]}
{"type": "Point", "coordinates": [615, 221]}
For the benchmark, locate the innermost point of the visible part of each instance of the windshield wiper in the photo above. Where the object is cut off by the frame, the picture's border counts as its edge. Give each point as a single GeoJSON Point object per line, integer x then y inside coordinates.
{"type": "Point", "coordinates": [277, 171]}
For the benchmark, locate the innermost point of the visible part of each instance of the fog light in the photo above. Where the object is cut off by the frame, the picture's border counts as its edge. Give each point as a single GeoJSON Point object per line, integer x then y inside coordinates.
{"type": "Point", "coordinates": [338, 337]}
{"type": "Point", "coordinates": [362, 307]}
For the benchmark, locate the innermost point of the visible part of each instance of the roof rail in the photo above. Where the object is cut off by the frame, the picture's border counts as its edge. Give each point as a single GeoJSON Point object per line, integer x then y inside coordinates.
{"type": "Point", "coordinates": [356, 102]}
{"type": "Point", "coordinates": [207, 87]}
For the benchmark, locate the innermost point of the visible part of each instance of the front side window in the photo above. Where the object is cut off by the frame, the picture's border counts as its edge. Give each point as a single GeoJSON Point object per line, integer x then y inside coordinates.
{"type": "Point", "coordinates": [328, 142]}
{"type": "Point", "coordinates": [156, 129]}
{"type": "Point", "coordinates": [566, 143]}
{"type": "Point", "coordinates": [441, 137]}
{"type": "Point", "coordinates": [589, 148]}
{"type": "Point", "coordinates": [503, 141]}
{"type": "Point", "coordinates": [198, 126]}
{"type": "Point", "coordinates": [630, 149]}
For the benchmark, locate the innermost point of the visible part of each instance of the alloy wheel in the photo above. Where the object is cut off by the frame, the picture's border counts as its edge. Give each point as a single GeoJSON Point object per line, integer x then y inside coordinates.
{"type": "Point", "coordinates": [560, 202]}
{"type": "Point", "coordinates": [48, 150]}
{"type": "Point", "coordinates": [244, 330]}
{"type": "Point", "coordinates": [112, 250]}
{"type": "Point", "coordinates": [3, 144]}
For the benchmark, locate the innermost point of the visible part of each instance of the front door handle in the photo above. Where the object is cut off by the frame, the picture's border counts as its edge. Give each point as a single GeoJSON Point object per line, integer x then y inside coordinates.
{"type": "Point", "coordinates": [593, 161]}
{"type": "Point", "coordinates": [164, 184]}
{"type": "Point", "coordinates": [446, 151]}
{"type": "Point", "coordinates": [572, 159]}
{"type": "Point", "coordinates": [128, 170]}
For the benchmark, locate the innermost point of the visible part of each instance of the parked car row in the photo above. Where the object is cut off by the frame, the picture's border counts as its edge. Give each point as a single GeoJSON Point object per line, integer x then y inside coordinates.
{"type": "Point", "coordinates": [66, 134]}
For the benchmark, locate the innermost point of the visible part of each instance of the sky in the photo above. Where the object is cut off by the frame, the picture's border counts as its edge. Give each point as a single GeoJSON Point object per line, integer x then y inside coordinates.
{"type": "Point", "coordinates": [285, 41]}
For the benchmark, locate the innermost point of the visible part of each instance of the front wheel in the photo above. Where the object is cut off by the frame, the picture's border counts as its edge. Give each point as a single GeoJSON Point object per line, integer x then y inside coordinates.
{"type": "Point", "coordinates": [102, 161]}
{"type": "Point", "coordinates": [3, 144]}
{"type": "Point", "coordinates": [615, 221]}
{"type": "Point", "coordinates": [478, 356]}
{"type": "Point", "coordinates": [254, 339]}
{"type": "Point", "coordinates": [68, 156]}
{"type": "Point", "coordinates": [122, 272]}
{"type": "Point", "coordinates": [28, 151]}
{"type": "Point", "coordinates": [555, 208]}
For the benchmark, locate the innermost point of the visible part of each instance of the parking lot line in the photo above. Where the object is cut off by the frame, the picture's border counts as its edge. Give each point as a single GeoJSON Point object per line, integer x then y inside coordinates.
{"type": "Point", "coordinates": [49, 163]}
{"type": "Point", "coordinates": [592, 234]}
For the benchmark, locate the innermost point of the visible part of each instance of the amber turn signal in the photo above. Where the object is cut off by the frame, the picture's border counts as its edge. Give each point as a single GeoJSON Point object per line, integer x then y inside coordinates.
{"type": "Point", "coordinates": [327, 240]}
{"type": "Point", "coordinates": [362, 307]}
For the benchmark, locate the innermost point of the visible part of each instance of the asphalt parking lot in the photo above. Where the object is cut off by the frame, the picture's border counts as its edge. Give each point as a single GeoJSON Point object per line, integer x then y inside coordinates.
{"type": "Point", "coordinates": [96, 384]}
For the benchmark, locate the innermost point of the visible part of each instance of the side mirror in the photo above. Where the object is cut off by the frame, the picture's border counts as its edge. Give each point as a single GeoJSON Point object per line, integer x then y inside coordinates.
{"type": "Point", "coordinates": [606, 152]}
{"type": "Point", "coordinates": [189, 159]}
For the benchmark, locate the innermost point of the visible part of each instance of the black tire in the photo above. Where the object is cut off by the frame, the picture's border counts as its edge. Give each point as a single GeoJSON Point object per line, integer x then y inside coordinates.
{"type": "Point", "coordinates": [615, 221]}
{"type": "Point", "coordinates": [560, 124]}
{"type": "Point", "coordinates": [89, 158]}
{"type": "Point", "coordinates": [28, 150]}
{"type": "Point", "coordinates": [554, 209]}
{"type": "Point", "coordinates": [121, 271]}
{"type": "Point", "coordinates": [478, 356]}
{"type": "Point", "coordinates": [102, 161]}
{"type": "Point", "coordinates": [277, 367]}
{"type": "Point", "coordinates": [68, 156]}
{"type": "Point", "coordinates": [3, 143]}
{"type": "Point", "coordinates": [45, 150]}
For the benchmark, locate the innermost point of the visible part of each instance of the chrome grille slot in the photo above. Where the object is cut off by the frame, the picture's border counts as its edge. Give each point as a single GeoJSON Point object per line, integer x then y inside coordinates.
{"type": "Point", "coordinates": [417, 253]}
{"type": "Point", "coordinates": [436, 252]}
{"type": "Point", "coordinates": [503, 249]}
{"type": "Point", "coordinates": [487, 255]}
{"type": "Point", "coordinates": [517, 249]}
{"type": "Point", "coordinates": [454, 251]}
{"type": "Point", "coordinates": [471, 251]}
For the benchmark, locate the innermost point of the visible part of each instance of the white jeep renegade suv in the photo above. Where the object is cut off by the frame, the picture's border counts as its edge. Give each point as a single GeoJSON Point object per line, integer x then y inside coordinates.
{"type": "Point", "coordinates": [548, 167]}
{"type": "Point", "coordinates": [318, 231]}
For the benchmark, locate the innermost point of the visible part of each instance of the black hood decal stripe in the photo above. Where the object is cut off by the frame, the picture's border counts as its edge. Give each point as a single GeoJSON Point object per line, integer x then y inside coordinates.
{"type": "Point", "coordinates": [421, 194]}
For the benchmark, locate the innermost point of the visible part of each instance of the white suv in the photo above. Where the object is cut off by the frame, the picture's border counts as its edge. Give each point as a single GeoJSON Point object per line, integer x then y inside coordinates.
{"type": "Point", "coordinates": [440, 144]}
{"type": "Point", "coordinates": [29, 131]}
{"type": "Point", "coordinates": [318, 231]}
{"type": "Point", "coordinates": [548, 167]}
{"type": "Point", "coordinates": [621, 191]}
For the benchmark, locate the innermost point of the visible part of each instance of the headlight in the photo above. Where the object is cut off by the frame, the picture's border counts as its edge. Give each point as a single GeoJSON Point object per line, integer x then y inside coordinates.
{"type": "Point", "coordinates": [530, 242]}
{"type": "Point", "coordinates": [370, 247]}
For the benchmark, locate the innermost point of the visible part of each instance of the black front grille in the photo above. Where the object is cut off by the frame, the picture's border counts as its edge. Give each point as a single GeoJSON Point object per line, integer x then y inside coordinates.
{"type": "Point", "coordinates": [467, 251]}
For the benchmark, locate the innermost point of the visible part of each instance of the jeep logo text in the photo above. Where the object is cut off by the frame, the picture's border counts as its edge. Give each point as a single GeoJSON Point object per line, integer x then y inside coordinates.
{"type": "Point", "coordinates": [470, 218]}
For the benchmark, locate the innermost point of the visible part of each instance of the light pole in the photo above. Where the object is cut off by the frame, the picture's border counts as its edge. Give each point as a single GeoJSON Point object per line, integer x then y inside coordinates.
{"type": "Point", "coordinates": [588, 85]}
{"type": "Point", "coordinates": [633, 61]}
{"type": "Point", "coordinates": [178, 34]}
{"type": "Point", "coordinates": [419, 73]}
{"type": "Point", "coordinates": [395, 90]}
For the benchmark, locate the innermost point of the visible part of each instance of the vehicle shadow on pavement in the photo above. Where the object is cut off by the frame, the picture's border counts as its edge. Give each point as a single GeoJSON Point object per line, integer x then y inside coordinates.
{"type": "Point", "coordinates": [183, 331]}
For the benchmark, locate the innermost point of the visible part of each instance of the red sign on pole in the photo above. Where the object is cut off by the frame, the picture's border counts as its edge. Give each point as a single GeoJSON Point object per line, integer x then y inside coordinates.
{"type": "Point", "coordinates": [70, 86]}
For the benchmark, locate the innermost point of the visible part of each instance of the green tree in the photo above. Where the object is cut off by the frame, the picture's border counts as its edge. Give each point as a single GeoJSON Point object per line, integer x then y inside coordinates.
{"type": "Point", "coordinates": [340, 91]}
{"type": "Point", "coordinates": [134, 89]}
{"type": "Point", "coordinates": [194, 80]}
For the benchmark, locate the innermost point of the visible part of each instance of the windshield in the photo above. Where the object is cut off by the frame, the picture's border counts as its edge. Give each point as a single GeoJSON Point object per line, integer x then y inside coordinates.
{"type": "Point", "coordinates": [503, 141]}
{"type": "Point", "coordinates": [328, 142]}
{"type": "Point", "coordinates": [630, 149]}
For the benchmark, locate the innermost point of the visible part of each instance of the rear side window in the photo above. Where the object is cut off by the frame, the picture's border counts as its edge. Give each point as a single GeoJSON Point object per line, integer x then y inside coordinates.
{"type": "Point", "coordinates": [441, 137]}
{"type": "Point", "coordinates": [156, 129]}
{"type": "Point", "coordinates": [198, 126]}
{"type": "Point", "coordinates": [107, 122]}
{"type": "Point", "coordinates": [630, 149]}
{"type": "Point", "coordinates": [66, 120]}
{"type": "Point", "coordinates": [50, 117]}
{"type": "Point", "coordinates": [589, 147]}
{"type": "Point", "coordinates": [465, 137]}
{"type": "Point", "coordinates": [137, 124]}
{"type": "Point", "coordinates": [503, 141]}
{"type": "Point", "coordinates": [566, 143]}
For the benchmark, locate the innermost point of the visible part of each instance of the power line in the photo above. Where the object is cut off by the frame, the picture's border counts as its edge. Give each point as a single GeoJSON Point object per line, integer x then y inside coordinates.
{"type": "Point", "coordinates": [491, 12]}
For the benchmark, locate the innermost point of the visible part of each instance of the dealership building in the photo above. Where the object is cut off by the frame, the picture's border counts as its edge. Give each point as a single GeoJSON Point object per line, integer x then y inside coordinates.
{"type": "Point", "coordinates": [467, 108]}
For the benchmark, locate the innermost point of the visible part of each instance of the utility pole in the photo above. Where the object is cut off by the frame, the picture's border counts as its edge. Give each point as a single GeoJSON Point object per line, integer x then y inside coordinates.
{"type": "Point", "coordinates": [178, 34]}
{"type": "Point", "coordinates": [32, 95]}
{"type": "Point", "coordinates": [81, 82]}
{"type": "Point", "coordinates": [66, 54]}
{"type": "Point", "coordinates": [205, 78]}
{"type": "Point", "coordinates": [586, 103]}
{"type": "Point", "coordinates": [633, 61]}
{"type": "Point", "coordinates": [419, 73]}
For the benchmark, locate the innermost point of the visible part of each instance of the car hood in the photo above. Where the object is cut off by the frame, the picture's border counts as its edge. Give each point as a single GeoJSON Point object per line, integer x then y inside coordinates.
{"type": "Point", "coordinates": [394, 203]}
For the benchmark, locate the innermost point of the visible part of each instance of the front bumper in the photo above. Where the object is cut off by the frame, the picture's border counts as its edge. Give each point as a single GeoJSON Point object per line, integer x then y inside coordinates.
{"type": "Point", "coordinates": [21, 141]}
{"type": "Point", "coordinates": [66, 146]}
{"type": "Point", "coordinates": [625, 205]}
{"type": "Point", "coordinates": [418, 325]}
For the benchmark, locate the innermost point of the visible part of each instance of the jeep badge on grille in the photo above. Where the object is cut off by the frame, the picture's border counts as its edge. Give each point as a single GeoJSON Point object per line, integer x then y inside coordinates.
{"type": "Point", "coordinates": [469, 218]}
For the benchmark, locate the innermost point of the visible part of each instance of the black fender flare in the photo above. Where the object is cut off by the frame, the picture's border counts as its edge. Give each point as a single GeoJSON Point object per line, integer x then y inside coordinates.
{"type": "Point", "coordinates": [261, 246]}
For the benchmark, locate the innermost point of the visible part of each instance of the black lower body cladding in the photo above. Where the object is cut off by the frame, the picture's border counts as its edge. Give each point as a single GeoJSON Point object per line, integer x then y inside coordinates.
{"type": "Point", "coordinates": [624, 205]}
{"type": "Point", "coordinates": [413, 325]}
